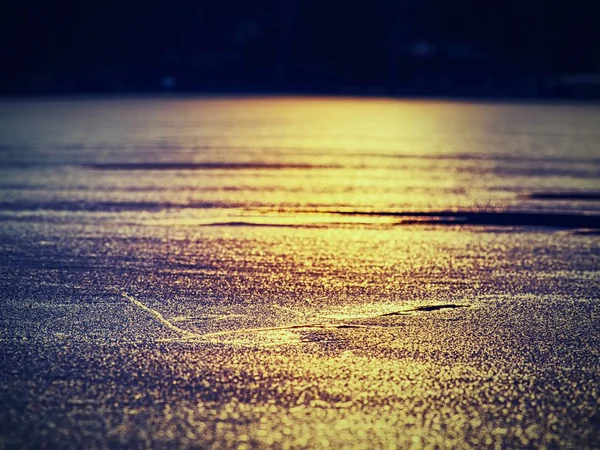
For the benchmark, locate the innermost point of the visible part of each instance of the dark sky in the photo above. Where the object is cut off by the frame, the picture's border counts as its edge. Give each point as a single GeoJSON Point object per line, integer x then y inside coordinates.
{"type": "Point", "coordinates": [295, 45]}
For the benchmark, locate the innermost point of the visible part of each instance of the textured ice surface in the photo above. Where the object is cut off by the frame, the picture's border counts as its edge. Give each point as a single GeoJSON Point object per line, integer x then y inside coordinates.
{"type": "Point", "coordinates": [292, 273]}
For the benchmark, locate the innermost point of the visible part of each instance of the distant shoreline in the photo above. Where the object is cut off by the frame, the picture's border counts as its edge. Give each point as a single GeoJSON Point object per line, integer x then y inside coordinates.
{"type": "Point", "coordinates": [233, 94]}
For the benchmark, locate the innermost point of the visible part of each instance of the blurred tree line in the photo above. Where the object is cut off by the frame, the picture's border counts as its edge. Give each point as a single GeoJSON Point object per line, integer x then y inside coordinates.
{"type": "Point", "coordinates": [405, 46]}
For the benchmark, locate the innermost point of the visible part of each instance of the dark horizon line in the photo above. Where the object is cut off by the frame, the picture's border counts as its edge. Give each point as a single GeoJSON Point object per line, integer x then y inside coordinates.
{"type": "Point", "coordinates": [373, 92]}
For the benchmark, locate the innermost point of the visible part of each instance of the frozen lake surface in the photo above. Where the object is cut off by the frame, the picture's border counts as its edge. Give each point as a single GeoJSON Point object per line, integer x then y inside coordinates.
{"type": "Point", "coordinates": [299, 272]}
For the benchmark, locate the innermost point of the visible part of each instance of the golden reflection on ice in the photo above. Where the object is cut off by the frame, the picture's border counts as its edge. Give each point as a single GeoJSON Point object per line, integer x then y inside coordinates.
{"type": "Point", "coordinates": [193, 278]}
{"type": "Point", "coordinates": [368, 154]}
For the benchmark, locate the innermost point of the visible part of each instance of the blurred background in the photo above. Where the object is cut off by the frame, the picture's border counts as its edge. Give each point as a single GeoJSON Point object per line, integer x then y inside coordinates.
{"type": "Point", "coordinates": [513, 48]}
